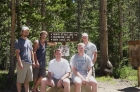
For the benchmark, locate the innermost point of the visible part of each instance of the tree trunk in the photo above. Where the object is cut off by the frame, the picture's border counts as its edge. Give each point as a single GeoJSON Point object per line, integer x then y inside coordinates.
{"type": "Point", "coordinates": [120, 33]}
{"type": "Point", "coordinates": [43, 13]}
{"type": "Point", "coordinates": [18, 17]}
{"type": "Point", "coordinates": [28, 19]}
{"type": "Point", "coordinates": [103, 37]}
{"type": "Point", "coordinates": [11, 68]}
{"type": "Point", "coordinates": [78, 17]}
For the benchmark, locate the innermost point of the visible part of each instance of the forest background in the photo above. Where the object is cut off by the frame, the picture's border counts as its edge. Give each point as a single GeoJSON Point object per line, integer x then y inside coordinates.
{"type": "Point", "coordinates": [109, 23]}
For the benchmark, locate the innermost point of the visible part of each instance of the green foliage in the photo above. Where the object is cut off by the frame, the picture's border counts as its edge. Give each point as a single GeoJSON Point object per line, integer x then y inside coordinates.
{"type": "Point", "coordinates": [61, 16]}
{"type": "Point", "coordinates": [104, 78]}
{"type": "Point", "coordinates": [125, 72]}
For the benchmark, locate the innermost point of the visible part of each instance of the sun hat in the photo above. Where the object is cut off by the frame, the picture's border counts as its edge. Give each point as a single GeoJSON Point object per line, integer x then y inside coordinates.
{"type": "Point", "coordinates": [24, 28]}
{"type": "Point", "coordinates": [84, 34]}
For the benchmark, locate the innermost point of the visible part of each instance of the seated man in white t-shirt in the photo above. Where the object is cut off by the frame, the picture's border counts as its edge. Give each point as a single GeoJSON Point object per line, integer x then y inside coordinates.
{"type": "Point", "coordinates": [81, 65]}
{"type": "Point", "coordinates": [58, 73]}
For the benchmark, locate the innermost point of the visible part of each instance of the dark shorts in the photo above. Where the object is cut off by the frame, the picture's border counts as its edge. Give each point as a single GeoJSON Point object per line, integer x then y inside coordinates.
{"type": "Point", "coordinates": [56, 81]}
{"type": "Point", "coordinates": [39, 72]}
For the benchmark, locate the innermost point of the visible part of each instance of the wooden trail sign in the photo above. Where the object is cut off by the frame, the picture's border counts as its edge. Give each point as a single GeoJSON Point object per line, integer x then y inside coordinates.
{"type": "Point", "coordinates": [63, 36]}
{"type": "Point", "coordinates": [134, 55]}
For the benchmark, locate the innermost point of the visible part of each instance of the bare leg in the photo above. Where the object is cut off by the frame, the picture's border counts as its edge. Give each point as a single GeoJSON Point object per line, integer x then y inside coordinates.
{"type": "Point", "coordinates": [37, 84]}
{"type": "Point", "coordinates": [78, 84]}
{"type": "Point", "coordinates": [66, 84]}
{"type": "Point", "coordinates": [26, 86]}
{"type": "Point", "coordinates": [93, 84]}
{"type": "Point", "coordinates": [34, 80]}
{"type": "Point", "coordinates": [43, 85]}
{"type": "Point", "coordinates": [18, 86]}
{"type": "Point", "coordinates": [94, 87]}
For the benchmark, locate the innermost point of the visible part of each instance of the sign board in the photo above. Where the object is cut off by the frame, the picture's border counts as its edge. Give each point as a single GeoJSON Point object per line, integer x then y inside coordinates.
{"type": "Point", "coordinates": [134, 53]}
{"type": "Point", "coordinates": [63, 36]}
{"type": "Point", "coordinates": [64, 50]}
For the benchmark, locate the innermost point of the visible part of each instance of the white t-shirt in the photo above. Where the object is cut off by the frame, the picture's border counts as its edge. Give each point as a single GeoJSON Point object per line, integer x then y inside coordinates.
{"type": "Point", "coordinates": [90, 48]}
{"type": "Point", "coordinates": [59, 69]}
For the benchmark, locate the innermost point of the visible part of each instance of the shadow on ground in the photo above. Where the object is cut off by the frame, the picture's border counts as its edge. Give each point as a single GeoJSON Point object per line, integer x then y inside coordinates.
{"type": "Point", "coordinates": [130, 89]}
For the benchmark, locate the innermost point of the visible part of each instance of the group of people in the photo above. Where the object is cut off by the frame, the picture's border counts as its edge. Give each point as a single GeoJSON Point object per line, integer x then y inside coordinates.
{"type": "Point", "coordinates": [31, 64]}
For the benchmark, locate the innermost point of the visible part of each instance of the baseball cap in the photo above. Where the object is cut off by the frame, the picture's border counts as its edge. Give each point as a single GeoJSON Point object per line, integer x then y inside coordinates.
{"type": "Point", "coordinates": [24, 28]}
{"type": "Point", "coordinates": [84, 34]}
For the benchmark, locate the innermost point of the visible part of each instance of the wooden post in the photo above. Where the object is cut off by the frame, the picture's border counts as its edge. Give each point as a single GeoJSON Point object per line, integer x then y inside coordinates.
{"type": "Point", "coordinates": [138, 76]}
{"type": "Point", "coordinates": [134, 56]}
{"type": "Point", "coordinates": [63, 43]}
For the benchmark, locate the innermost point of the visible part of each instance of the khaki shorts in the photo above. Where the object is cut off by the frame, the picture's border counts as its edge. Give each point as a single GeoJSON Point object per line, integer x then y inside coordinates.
{"type": "Point", "coordinates": [24, 74]}
{"type": "Point", "coordinates": [77, 79]}
{"type": "Point", "coordinates": [39, 72]}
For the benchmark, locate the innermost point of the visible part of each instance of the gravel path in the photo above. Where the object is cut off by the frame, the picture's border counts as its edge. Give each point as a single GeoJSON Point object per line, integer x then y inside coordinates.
{"type": "Point", "coordinates": [117, 85]}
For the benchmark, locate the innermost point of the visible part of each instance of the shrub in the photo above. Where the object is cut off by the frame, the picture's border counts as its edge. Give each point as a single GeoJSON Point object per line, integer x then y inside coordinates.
{"type": "Point", "coordinates": [124, 72]}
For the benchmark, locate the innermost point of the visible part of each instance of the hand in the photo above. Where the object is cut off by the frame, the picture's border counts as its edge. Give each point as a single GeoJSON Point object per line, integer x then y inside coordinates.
{"type": "Point", "coordinates": [37, 65]}
{"type": "Point", "coordinates": [33, 64]}
{"type": "Point", "coordinates": [59, 84]}
{"type": "Point", "coordinates": [51, 82]}
{"type": "Point", "coordinates": [20, 65]}
{"type": "Point", "coordinates": [84, 81]}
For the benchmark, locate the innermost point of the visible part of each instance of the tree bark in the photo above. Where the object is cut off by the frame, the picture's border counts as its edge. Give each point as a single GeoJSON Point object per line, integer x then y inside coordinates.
{"type": "Point", "coordinates": [78, 17]}
{"type": "Point", "coordinates": [103, 36]}
{"type": "Point", "coordinates": [121, 32]}
{"type": "Point", "coordinates": [43, 13]}
{"type": "Point", "coordinates": [12, 40]}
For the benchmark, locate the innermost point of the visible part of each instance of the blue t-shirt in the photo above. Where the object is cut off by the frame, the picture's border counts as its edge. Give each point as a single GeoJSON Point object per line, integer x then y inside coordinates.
{"type": "Point", "coordinates": [25, 47]}
{"type": "Point", "coordinates": [41, 54]}
{"type": "Point", "coordinates": [81, 63]}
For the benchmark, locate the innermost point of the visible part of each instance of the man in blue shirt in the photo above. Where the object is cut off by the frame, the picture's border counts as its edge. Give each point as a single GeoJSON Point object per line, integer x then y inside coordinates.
{"type": "Point", "coordinates": [25, 58]}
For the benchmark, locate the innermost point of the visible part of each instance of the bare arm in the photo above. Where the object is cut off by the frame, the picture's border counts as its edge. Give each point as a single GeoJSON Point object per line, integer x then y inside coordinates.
{"type": "Point", "coordinates": [77, 73]}
{"type": "Point", "coordinates": [19, 58]}
{"type": "Point", "coordinates": [51, 82]}
{"type": "Point", "coordinates": [49, 75]}
{"type": "Point", "coordinates": [95, 57]}
{"type": "Point", "coordinates": [32, 57]}
{"type": "Point", "coordinates": [52, 43]}
{"type": "Point", "coordinates": [66, 76]}
{"type": "Point", "coordinates": [89, 73]}
{"type": "Point", "coordinates": [35, 47]}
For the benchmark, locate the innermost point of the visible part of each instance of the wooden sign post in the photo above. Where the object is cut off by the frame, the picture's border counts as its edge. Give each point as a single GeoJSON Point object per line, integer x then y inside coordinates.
{"type": "Point", "coordinates": [63, 37]}
{"type": "Point", "coordinates": [134, 56]}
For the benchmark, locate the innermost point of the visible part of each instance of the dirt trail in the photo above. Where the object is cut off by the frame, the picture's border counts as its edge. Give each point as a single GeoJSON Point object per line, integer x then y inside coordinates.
{"type": "Point", "coordinates": [117, 85]}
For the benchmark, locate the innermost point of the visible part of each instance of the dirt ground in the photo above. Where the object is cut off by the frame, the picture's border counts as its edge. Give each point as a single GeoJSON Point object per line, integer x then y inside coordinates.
{"type": "Point", "coordinates": [118, 85]}
{"type": "Point", "coordinates": [115, 85]}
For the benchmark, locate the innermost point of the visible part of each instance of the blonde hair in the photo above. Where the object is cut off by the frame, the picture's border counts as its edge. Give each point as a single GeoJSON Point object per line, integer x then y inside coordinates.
{"type": "Point", "coordinates": [82, 44]}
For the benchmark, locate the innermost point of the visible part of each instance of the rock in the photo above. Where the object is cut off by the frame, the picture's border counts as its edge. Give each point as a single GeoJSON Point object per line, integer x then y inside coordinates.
{"type": "Point", "coordinates": [84, 88]}
{"type": "Point", "coordinates": [109, 68]}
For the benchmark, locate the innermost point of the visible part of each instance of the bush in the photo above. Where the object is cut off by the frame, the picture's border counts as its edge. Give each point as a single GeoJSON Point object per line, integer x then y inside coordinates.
{"type": "Point", "coordinates": [124, 72]}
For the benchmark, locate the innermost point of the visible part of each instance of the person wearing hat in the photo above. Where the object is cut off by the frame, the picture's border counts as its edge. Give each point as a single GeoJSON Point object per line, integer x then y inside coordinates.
{"type": "Point", "coordinates": [39, 49]}
{"type": "Point", "coordinates": [90, 49]}
{"type": "Point", "coordinates": [25, 60]}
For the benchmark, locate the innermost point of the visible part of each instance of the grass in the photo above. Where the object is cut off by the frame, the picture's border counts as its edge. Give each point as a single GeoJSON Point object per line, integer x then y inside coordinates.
{"type": "Point", "coordinates": [3, 78]}
{"type": "Point", "coordinates": [125, 73]}
{"type": "Point", "coordinates": [106, 79]}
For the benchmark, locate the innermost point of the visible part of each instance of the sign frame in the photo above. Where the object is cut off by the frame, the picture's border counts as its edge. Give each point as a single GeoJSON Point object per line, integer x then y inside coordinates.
{"type": "Point", "coordinates": [63, 36]}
